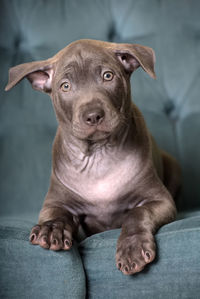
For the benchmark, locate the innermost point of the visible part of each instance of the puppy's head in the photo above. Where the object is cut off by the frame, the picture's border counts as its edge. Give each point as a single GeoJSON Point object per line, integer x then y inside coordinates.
{"type": "Point", "coordinates": [89, 83]}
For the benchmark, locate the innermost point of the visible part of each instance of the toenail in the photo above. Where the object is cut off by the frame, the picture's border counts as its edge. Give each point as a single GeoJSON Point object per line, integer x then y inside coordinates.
{"type": "Point", "coordinates": [126, 268]}
{"type": "Point", "coordinates": [54, 242]}
{"type": "Point", "coordinates": [119, 266]}
{"type": "Point", "coordinates": [133, 265]}
{"type": "Point", "coordinates": [32, 237]}
{"type": "Point", "coordinates": [44, 239]}
{"type": "Point", "coordinates": [67, 243]}
{"type": "Point", "coordinates": [148, 255]}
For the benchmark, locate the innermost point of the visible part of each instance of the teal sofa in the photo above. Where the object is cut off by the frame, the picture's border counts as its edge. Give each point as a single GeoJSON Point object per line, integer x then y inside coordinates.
{"type": "Point", "coordinates": [33, 30]}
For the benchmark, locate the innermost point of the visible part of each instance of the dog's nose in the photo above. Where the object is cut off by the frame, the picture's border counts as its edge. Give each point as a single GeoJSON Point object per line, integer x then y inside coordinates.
{"type": "Point", "coordinates": [93, 117]}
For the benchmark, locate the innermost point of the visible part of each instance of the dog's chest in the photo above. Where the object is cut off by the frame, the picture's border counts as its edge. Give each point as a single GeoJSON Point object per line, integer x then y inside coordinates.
{"type": "Point", "coordinates": [101, 181]}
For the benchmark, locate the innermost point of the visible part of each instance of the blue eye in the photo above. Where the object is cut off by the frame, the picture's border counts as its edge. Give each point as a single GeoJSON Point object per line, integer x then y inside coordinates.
{"type": "Point", "coordinates": [65, 86]}
{"type": "Point", "coordinates": [108, 76]}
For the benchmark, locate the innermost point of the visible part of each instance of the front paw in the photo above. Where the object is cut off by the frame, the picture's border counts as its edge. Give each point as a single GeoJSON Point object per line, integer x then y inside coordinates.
{"type": "Point", "coordinates": [134, 252]}
{"type": "Point", "coordinates": [54, 235]}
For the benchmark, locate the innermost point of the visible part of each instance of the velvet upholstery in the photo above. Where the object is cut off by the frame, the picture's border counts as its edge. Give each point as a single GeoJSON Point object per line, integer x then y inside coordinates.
{"type": "Point", "coordinates": [31, 272]}
{"type": "Point", "coordinates": [174, 273]}
{"type": "Point", "coordinates": [33, 30]}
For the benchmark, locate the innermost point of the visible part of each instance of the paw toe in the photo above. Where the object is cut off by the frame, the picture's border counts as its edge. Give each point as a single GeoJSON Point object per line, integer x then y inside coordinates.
{"type": "Point", "coordinates": [34, 235]}
{"type": "Point", "coordinates": [67, 244]}
{"type": "Point", "coordinates": [148, 255]}
{"type": "Point", "coordinates": [33, 238]}
{"type": "Point", "coordinates": [43, 242]}
{"type": "Point", "coordinates": [56, 239]}
{"type": "Point", "coordinates": [56, 244]}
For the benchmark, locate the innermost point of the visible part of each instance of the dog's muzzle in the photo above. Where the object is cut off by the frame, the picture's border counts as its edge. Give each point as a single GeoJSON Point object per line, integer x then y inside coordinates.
{"type": "Point", "coordinates": [93, 117]}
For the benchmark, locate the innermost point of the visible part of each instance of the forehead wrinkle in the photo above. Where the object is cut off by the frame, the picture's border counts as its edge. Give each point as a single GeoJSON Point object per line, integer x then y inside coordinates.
{"type": "Point", "coordinates": [77, 65]}
{"type": "Point", "coordinates": [83, 64]}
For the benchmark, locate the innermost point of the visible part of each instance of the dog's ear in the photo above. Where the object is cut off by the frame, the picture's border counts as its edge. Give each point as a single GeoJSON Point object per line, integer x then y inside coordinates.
{"type": "Point", "coordinates": [132, 56]}
{"type": "Point", "coordinates": [39, 73]}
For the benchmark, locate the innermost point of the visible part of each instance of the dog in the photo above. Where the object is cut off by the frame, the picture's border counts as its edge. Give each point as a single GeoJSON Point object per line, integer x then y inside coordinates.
{"type": "Point", "coordinates": [107, 171]}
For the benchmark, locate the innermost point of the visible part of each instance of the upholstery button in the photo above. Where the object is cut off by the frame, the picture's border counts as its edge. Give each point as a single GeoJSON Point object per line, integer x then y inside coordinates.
{"type": "Point", "coordinates": [169, 107]}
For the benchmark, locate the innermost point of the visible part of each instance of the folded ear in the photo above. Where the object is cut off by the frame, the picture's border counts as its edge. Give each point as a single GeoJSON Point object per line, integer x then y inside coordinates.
{"type": "Point", "coordinates": [39, 73]}
{"type": "Point", "coordinates": [132, 56]}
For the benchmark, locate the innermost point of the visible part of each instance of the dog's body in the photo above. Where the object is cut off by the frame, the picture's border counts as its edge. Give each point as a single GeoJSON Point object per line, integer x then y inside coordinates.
{"type": "Point", "coordinates": [107, 170]}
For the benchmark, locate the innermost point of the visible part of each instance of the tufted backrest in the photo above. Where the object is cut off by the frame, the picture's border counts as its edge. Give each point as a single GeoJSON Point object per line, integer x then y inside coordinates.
{"type": "Point", "coordinates": [33, 30]}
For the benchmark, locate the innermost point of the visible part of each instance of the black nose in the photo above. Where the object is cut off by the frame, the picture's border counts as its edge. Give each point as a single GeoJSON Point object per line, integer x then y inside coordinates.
{"type": "Point", "coordinates": [93, 117]}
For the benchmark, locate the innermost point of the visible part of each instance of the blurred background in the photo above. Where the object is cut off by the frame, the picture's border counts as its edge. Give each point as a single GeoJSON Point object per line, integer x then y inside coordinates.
{"type": "Point", "coordinates": [33, 30]}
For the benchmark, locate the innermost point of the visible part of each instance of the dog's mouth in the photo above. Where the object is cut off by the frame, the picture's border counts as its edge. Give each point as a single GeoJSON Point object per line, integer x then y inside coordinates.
{"type": "Point", "coordinates": [95, 132]}
{"type": "Point", "coordinates": [98, 135]}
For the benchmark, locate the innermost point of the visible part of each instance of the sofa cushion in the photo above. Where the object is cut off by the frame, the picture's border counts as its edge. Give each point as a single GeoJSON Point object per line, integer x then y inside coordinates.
{"type": "Point", "coordinates": [174, 274]}
{"type": "Point", "coordinates": [28, 271]}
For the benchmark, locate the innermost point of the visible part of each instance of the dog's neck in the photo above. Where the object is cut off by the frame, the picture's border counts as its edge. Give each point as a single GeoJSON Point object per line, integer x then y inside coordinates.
{"type": "Point", "coordinates": [80, 148]}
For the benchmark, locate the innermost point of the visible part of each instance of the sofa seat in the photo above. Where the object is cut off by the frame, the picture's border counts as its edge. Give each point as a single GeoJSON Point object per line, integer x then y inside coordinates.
{"type": "Point", "coordinates": [29, 271]}
{"type": "Point", "coordinates": [174, 274]}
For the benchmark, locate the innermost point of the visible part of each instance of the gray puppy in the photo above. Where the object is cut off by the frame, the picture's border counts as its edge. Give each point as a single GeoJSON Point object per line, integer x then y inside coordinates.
{"type": "Point", "coordinates": [107, 171]}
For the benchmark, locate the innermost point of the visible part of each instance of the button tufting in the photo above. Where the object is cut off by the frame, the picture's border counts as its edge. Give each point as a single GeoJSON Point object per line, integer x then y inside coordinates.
{"type": "Point", "coordinates": [169, 107]}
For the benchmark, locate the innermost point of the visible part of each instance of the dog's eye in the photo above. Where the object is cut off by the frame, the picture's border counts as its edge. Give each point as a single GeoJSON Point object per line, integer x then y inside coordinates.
{"type": "Point", "coordinates": [65, 86]}
{"type": "Point", "coordinates": [108, 76]}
